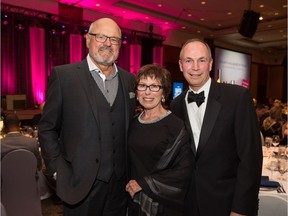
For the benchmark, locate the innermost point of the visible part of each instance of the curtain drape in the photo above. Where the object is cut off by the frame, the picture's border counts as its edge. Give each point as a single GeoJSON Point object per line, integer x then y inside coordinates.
{"type": "Point", "coordinates": [135, 58]}
{"type": "Point", "coordinates": [29, 52]}
{"type": "Point", "coordinates": [75, 47]}
{"type": "Point", "coordinates": [38, 71]}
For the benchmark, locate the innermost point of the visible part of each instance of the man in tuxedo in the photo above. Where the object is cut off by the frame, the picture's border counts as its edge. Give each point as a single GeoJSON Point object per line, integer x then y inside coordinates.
{"type": "Point", "coordinates": [225, 139]}
{"type": "Point", "coordinates": [83, 129]}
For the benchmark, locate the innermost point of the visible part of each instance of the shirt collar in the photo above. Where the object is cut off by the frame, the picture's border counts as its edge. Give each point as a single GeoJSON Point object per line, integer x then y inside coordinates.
{"type": "Point", "coordinates": [205, 88]}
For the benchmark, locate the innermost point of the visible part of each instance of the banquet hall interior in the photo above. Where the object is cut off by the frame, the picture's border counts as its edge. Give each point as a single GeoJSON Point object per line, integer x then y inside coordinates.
{"type": "Point", "coordinates": [248, 39]}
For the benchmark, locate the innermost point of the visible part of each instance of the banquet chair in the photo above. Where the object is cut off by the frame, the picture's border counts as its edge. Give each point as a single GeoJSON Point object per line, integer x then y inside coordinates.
{"type": "Point", "coordinates": [20, 194]}
{"type": "Point", "coordinates": [272, 204]}
{"type": "Point", "coordinates": [3, 210]}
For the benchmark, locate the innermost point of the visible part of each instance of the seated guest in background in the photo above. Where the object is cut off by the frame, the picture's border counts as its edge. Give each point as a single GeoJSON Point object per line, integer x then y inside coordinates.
{"type": "Point", "coordinates": [272, 125]}
{"type": "Point", "coordinates": [261, 109]}
{"type": "Point", "coordinates": [159, 149]}
{"type": "Point", "coordinates": [15, 140]}
{"type": "Point", "coordinates": [284, 133]}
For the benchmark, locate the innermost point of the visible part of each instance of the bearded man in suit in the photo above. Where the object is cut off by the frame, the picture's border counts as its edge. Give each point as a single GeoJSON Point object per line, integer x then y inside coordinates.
{"type": "Point", "coordinates": [83, 128]}
{"type": "Point", "coordinates": [225, 139]}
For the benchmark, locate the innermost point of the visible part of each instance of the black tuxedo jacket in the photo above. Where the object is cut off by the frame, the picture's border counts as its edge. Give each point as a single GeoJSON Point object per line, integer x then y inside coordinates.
{"type": "Point", "coordinates": [69, 128]}
{"type": "Point", "coordinates": [228, 161]}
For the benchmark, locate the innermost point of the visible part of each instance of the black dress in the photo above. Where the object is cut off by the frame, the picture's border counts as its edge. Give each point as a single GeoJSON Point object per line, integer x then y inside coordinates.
{"type": "Point", "coordinates": [161, 163]}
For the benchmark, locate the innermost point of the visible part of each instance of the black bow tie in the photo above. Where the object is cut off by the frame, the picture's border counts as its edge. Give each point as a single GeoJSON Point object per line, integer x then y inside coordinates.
{"type": "Point", "coordinates": [198, 98]}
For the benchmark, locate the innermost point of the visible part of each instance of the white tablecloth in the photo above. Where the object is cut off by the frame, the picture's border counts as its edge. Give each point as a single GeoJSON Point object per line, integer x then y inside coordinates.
{"type": "Point", "coordinates": [271, 202]}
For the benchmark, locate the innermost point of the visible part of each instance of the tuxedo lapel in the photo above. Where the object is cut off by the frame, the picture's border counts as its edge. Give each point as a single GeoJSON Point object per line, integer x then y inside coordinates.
{"type": "Point", "coordinates": [85, 77]}
{"type": "Point", "coordinates": [212, 111]}
{"type": "Point", "coordinates": [182, 112]}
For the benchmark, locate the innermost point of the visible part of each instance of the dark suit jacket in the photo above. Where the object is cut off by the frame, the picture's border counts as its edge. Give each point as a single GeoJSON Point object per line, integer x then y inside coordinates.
{"type": "Point", "coordinates": [228, 161]}
{"type": "Point", "coordinates": [15, 141]}
{"type": "Point", "coordinates": [69, 128]}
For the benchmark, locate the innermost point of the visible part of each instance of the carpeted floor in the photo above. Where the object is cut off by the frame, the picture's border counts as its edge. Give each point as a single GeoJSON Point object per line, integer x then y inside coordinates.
{"type": "Point", "coordinates": [52, 207]}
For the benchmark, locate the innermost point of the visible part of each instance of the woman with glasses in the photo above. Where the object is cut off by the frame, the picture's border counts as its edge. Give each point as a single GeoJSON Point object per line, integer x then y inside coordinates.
{"type": "Point", "coordinates": [160, 156]}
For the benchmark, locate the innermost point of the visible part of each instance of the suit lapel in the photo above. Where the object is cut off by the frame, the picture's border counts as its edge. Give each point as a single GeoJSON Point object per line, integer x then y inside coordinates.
{"type": "Point", "coordinates": [125, 95]}
{"type": "Point", "coordinates": [85, 77]}
{"type": "Point", "coordinates": [183, 114]}
{"type": "Point", "coordinates": [212, 110]}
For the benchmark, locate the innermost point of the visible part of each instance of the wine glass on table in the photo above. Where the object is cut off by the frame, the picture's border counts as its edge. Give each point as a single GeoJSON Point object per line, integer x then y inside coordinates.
{"type": "Point", "coordinates": [275, 140]}
{"type": "Point", "coordinates": [272, 164]}
{"type": "Point", "coordinates": [282, 166]}
{"type": "Point", "coordinates": [267, 143]}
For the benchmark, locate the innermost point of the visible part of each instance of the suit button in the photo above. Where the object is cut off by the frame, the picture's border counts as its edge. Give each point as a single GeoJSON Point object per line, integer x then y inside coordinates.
{"type": "Point", "coordinates": [97, 161]}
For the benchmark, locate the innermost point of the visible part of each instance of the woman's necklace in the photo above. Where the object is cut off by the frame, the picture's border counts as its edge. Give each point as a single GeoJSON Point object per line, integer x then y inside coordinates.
{"type": "Point", "coordinates": [153, 120]}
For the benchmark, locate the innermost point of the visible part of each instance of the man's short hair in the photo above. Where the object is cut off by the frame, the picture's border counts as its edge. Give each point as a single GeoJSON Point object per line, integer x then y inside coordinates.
{"type": "Point", "coordinates": [11, 120]}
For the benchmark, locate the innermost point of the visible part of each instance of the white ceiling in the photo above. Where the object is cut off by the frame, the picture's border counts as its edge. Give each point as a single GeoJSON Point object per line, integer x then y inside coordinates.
{"type": "Point", "coordinates": [216, 19]}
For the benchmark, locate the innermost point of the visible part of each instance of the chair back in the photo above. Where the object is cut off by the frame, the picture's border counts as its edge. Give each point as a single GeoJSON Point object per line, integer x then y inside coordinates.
{"type": "Point", "coordinates": [272, 204]}
{"type": "Point", "coordinates": [20, 194]}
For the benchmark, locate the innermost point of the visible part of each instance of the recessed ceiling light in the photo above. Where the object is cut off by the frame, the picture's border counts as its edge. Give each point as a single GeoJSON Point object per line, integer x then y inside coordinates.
{"type": "Point", "coordinates": [269, 26]}
{"type": "Point", "coordinates": [202, 19]}
{"type": "Point", "coordinates": [261, 6]}
{"type": "Point", "coordinates": [183, 27]}
{"type": "Point", "coordinates": [189, 14]}
{"type": "Point", "coordinates": [198, 31]}
{"type": "Point", "coordinates": [229, 13]}
{"type": "Point", "coordinates": [159, 5]}
{"type": "Point", "coordinates": [146, 17]}
{"type": "Point", "coordinates": [219, 24]}
{"type": "Point", "coordinates": [97, 5]}
{"type": "Point", "coordinates": [261, 18]}
{"type": "Point", "coordinates": [276, 13]}
{"type": "Point", "coordinates": [203, 2]}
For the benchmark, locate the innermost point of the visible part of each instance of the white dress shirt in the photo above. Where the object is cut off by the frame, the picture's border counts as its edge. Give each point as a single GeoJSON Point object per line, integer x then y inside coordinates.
{"type": "Point", "coordinates": [195, 113]}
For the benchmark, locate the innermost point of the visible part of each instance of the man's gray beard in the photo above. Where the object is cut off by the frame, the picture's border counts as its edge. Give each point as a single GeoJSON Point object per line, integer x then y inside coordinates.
{"type": "Point", "coordinates": [103, 61]}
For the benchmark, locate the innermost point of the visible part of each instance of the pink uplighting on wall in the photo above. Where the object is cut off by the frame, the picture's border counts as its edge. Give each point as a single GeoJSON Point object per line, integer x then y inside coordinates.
{"type": "Point", "coordinates": [75, 41]}
{"type": "Point", "coordinates": [135, 58]}
{"type": "Point", "coordinates": [158, 55]}
{"type": "Point", "coordinates": [38, 76]}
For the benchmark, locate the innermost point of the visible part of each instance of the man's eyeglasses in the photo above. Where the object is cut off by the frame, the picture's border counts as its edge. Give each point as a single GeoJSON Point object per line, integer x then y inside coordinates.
{"type": "Point", "coordinates": [153, 88]}
{"type": "Point", "coordinates": [102, 38]}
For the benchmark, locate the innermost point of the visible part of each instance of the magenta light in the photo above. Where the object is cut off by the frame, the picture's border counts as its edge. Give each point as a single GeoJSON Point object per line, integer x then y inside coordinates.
{"type": "Point", "coordinates": [38, 76]}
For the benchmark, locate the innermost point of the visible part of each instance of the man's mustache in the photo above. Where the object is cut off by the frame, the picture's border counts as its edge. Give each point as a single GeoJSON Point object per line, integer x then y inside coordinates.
{"type": "Point", "coordinates": [103, 48]}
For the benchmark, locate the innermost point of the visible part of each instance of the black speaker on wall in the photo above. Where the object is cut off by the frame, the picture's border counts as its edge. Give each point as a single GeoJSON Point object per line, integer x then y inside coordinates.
{"type": "Point", "coordinates": [249, 23]}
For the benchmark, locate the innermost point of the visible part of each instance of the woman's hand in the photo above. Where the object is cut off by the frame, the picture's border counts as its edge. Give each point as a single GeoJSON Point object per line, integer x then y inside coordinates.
{"type": "Point", "coordinates": [132, 188]}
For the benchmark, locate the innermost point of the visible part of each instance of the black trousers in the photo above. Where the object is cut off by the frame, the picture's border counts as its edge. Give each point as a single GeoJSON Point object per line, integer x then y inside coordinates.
{"type": "Point", "coordinates": [104, 199]}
